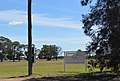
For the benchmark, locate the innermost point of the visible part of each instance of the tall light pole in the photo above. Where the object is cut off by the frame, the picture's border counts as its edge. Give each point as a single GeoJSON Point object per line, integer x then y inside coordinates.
{"type": "Point", "coordinates": [29, 38]}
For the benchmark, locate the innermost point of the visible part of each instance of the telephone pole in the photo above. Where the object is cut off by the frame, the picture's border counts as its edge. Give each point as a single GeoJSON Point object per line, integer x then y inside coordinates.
{"type": "Point", "coordinates": [29, 38]}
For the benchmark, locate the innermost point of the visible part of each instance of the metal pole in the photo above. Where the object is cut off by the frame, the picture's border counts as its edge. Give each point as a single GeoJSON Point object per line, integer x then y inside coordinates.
{"type": "Point", "coordinates": [29, 38]}
{"type": "Point", "coordinates": [64, 61]}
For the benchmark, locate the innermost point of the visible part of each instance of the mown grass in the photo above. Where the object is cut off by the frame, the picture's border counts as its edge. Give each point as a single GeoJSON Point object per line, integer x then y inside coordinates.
{"type": "Point", "coordinates": [11, 69]}
{"type": "Point", "coordinates": [41, 67]}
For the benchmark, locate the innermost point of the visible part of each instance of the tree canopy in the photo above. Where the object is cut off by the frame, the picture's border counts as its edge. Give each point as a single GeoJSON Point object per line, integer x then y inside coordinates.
{"type": "Point", "coordinates": [11, 49]}
{"type": "Point", "coordinates": [102, 25]}
{"type": "Point", "coordinates": [49, 52]}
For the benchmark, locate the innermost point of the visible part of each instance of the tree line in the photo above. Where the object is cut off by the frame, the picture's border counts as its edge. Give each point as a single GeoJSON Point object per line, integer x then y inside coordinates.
{"type": "Point", "coordinates": [10, 50]}
{"type": "Point", "coordinates": [14, 50]}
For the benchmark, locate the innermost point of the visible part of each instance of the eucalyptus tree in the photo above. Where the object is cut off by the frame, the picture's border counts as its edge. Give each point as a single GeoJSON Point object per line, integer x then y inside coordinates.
{"type": "Point", "coordinates": [49, 51]}
{"type": "Point", "coordinates": [102, 24]}
{"type": "Point", "coordinates": [22, 48]}
{"type": "Point", "coordinates": [6, 44]}
{"type": "Point", "coordinates": [15, 47]}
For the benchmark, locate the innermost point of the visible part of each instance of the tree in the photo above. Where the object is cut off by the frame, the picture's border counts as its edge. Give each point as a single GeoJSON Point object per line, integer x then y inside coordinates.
{"type": "Point", "coordinates": [49, 52]}
{"type": "Point", "coordinates": [16, 50]}
{"type": "Point", "coordinates": [57, 51]}
{"type": "Point", "coordinates": [5, 46]}
{"type": "Point", "coordinates": [11, 50]}
{"type": "Point", "coordinates": [46, 52]}
{"type": "Point", "coordinates": [15, 47]}
{"type": "Point", "coordinates": [105, 16]}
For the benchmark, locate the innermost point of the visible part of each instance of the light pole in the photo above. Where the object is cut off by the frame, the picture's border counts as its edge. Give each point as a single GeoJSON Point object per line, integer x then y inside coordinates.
{"type": "Point", "coordinates": [29, 38]}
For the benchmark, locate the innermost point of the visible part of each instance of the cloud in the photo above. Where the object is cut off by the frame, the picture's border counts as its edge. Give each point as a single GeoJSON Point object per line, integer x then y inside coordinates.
{"type": "Point", "coordinates": [71, 41]}
{"type": "Point", "coordinates": [15, 17]}
{"type": "Point", "coordinates": [64, 40]}
{"type": "Point", "coordinates": [59, 9]}
{"type": "Point", "coordinates": [56, 22]}
{"type": "Point", "coordinates": [12, 15]}
{"type": "Point", "coordinates": [15, 22]}
{"type": "Point", "coordinates": [67, 43]}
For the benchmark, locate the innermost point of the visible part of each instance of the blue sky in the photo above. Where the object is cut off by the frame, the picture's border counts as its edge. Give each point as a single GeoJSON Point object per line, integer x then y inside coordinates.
{"type": "Point", "coordinates": [55, 22]}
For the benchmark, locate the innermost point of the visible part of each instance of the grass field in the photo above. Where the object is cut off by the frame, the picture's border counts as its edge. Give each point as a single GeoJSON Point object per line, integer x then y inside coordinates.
{"type": "Point", "coordinates": [41, 67]}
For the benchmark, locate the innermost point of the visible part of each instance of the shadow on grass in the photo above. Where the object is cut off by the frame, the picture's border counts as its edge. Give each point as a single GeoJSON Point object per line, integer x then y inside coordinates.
{"type": "Point", "coordinates": [69, 72]}
{"type": "Point", "coordinates": [78, 77]}
{"type": "Point", "coordinates": [19, 76]}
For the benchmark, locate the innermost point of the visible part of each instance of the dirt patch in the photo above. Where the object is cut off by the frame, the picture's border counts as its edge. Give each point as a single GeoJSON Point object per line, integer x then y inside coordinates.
{"type": "Point", "coordinates": [80, 77]}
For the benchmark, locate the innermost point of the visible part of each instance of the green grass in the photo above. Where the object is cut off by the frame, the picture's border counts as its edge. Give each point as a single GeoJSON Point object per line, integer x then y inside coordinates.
{"type": "Point", "coordinates": [42, 67]}
{"type": "Point", "coordinates": [11, 69]}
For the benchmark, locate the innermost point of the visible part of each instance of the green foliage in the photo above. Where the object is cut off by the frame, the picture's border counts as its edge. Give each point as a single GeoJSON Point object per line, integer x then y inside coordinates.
{"type": "Point", "coordinates": [5, 45]}
{"type": "Point", "coordinates": [102, 24]}
{"type": "Point", "coordinates": [11, 50]}
{"type": "Point", "coordinates": [49, 52]}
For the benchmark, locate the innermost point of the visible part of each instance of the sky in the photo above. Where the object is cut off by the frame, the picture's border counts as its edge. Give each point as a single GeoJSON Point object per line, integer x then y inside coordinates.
{"type": "Point", "coordinates": [54, 22]}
